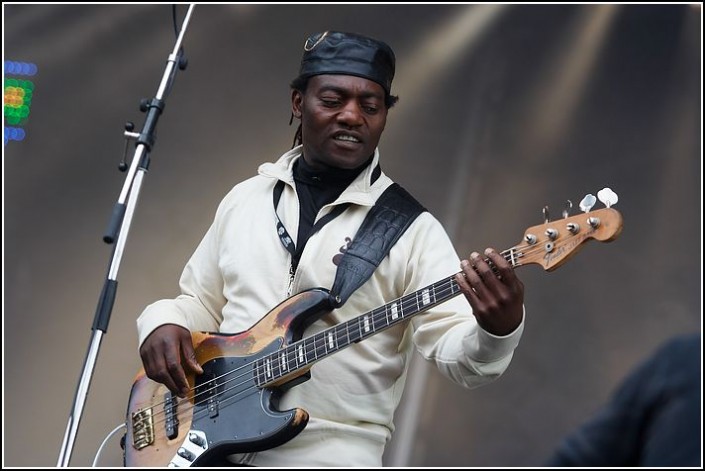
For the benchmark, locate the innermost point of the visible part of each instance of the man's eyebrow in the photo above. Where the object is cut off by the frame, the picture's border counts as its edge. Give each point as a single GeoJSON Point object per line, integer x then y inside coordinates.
{"type": "Point", "coordinates": [346, 92]}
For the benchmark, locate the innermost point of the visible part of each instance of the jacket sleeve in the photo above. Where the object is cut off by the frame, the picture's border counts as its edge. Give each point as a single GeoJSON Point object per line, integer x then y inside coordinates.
{"type": "Point", "coordinates": [448, 334]}
{"type": "Point", "coordinates": [199, 306]}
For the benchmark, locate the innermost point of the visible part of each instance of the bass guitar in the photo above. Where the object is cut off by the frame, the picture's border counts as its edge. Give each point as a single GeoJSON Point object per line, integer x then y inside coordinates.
{"type": "Point", "coordinates": [232, 406]}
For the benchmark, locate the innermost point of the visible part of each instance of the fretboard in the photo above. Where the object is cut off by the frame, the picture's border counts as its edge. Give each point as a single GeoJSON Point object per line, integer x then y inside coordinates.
{"type": "Point", "coordinates": [303, 353]}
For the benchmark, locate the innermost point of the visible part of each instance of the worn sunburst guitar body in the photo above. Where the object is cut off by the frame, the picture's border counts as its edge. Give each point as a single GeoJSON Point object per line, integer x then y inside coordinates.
{"type": "Point", "coordinates": [232, 406]}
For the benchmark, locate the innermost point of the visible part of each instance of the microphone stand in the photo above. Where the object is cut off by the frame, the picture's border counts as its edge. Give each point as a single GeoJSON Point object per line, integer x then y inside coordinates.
{"type": "Point", "coordinates": [118, 229]}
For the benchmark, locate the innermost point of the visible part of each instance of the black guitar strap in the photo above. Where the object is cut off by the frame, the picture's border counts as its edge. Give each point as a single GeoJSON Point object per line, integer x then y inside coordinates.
{"type": "Point", "coordinates": [391, 215]}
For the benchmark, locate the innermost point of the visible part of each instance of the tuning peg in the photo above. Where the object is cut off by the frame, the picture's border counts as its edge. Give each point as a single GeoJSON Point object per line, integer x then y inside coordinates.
{"type": "Point", "coordinates": [587, 202]}
{"type": "Point", "coordinates": [608, 197]}
{"type": "Point", "coordinates": [545, 214]}
{"type": "Point", "coordinates": [568, 207]}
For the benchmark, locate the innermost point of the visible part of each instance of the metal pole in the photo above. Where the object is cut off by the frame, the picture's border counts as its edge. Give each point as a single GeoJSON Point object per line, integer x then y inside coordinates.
{"type": "Point", "coordinates": [120, 225]}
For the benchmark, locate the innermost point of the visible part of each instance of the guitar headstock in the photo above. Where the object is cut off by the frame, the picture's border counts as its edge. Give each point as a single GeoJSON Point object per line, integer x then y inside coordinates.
{"type": "Point", "coordinates": [553, 243]}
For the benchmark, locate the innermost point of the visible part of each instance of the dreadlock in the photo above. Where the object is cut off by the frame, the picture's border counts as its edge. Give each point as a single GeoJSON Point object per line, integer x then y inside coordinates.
{"type": "Point", "coordinates": [298, 140]}
{"type": "Point", "coordinates": [299, 84]}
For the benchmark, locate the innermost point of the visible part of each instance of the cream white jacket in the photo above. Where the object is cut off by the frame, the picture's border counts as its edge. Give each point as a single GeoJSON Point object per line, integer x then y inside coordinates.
{"type": "Point", "coordinates": [240, 271]}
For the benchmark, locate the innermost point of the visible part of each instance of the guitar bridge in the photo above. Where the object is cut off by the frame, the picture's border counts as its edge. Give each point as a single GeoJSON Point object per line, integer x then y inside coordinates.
{"type": "Point", "coordinates": [142, 428]}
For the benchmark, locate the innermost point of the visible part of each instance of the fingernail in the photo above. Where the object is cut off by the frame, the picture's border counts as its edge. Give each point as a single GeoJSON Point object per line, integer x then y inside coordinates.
{"type": "Point", "coordinates": [464, 263]}
{"type": "Point", "coordinates": [488, 251]}
{"type": "Point", "coordinates": [474, 255]}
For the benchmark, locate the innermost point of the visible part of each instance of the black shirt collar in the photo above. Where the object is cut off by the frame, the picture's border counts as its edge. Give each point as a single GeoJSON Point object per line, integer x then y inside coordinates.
{"type": "Point", "coordinates": [328, 177]}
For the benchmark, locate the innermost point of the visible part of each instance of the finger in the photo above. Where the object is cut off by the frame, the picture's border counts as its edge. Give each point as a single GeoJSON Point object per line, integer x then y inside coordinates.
{"type": "Point", "coordinates": [504, 269]}
{"type": "Point", "coordinates": [162, 375]}
{"type": "Point", "coordinates": [497, 275]}
{"type": "Point", "coordinates": [466, 280]}
{"type": "Point", "coordinates": [480, 275]}
{"type": "Point", "coordinates": [190, 357]}
{"type": "Point", "coordinates": [155, 368]}
{"type": "Point", "coordinates": [176, 372]}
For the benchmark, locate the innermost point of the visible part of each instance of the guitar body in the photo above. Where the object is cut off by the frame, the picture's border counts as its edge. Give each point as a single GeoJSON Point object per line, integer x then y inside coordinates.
{"type": "Point", "coordinates": [229, 411]}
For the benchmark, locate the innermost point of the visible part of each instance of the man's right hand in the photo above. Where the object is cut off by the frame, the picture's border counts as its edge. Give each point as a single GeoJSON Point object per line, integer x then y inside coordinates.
{"type": "Point", "coordinates": [165, 353]}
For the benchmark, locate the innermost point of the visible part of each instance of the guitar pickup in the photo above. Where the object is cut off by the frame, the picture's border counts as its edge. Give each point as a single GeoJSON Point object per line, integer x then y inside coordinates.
{"type": "Point", "coordinates": [210, 389]}
{"type": "Point", "coordinates": [171, 423]}
{"type": "Point", "coordinates": [213, 408]}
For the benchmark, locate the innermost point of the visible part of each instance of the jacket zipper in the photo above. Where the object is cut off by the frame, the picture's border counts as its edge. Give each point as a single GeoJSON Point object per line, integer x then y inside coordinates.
{"type": "Point", "coordinates": [292, 273]}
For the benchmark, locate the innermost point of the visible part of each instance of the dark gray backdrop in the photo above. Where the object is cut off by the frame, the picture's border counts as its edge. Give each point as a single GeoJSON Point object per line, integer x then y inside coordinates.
{"type": "Point", "coordinates": [504, 109]}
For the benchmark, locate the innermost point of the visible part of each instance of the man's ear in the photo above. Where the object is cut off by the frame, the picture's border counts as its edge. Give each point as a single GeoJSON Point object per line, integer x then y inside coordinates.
{"type": "Point", "coordinates": [297, 100]}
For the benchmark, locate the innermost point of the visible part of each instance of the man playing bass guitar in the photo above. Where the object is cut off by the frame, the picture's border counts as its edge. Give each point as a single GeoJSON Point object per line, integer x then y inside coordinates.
{"type": "Point", "coordinates": [283, 232]}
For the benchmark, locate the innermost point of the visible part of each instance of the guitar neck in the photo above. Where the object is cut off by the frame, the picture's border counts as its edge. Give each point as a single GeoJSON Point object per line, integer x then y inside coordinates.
{"type": "Point", "coordinates": [302, 354]}
{"type": "Point", "coordinates": [549, 245]}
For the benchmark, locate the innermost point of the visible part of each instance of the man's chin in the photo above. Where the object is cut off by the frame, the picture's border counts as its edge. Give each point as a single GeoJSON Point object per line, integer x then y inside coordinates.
{"type": "Point", "coordinates": [348, 160]}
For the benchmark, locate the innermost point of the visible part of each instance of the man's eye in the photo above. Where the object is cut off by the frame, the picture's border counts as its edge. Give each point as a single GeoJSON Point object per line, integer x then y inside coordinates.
{"type": "Point", "coordinates": [370, 109]}
{"type": "Point", "coordinates": [330, 103]}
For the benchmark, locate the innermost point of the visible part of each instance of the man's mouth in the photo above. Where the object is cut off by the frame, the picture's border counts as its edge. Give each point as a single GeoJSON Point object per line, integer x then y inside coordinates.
{"type": "Point", "coordinates": [346, 138]}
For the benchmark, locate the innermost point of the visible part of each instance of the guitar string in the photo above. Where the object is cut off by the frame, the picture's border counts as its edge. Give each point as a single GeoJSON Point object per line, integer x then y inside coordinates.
{"type": "Point", "coordinates": [157, 419]}
{"type": "Point", "coordinates": [511, 255]}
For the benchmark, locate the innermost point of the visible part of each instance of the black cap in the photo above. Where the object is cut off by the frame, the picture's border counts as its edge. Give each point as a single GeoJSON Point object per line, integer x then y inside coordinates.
{"type": "Point", "coordinates": [334, 52]}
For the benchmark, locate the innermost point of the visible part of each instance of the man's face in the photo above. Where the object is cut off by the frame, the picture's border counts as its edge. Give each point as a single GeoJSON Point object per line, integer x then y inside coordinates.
{"type": "Point", "coordinates": [342, 119]}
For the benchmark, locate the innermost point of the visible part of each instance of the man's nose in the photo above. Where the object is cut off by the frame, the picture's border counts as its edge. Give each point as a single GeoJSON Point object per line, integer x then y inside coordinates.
{"type": "Point", "coordinates": [351, 114]}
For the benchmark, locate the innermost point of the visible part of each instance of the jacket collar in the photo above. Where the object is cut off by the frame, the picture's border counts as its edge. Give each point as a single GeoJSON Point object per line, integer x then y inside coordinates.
{"type": "Point", "coordinates": [362, 190]}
